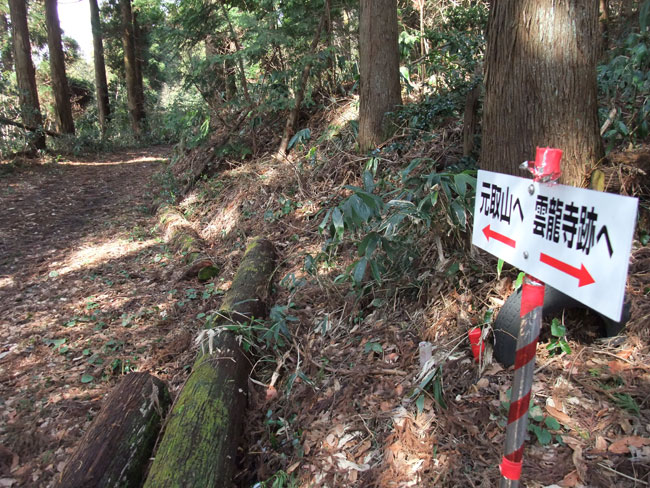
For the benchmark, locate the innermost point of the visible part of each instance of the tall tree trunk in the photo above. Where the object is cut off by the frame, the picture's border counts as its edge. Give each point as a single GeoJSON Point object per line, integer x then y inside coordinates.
{"type": "Point", "coordinates": [101, 86]}
{"type": "Point", "coordinates": [540, 82]}
{"type": "Point", "coordinates": [63, 108]}
{"type": "Point", "coordinates": [217, 76]}
{"type": "Point", "coordinates": [6, 56]}
{"type": "Point", "coordinates": [231, 74]}
{"type": "Point", "coordinates": [138, 42]}
{"type": "Point", "coordinates": [379, 69]}
{"type": "Point", "coordinates": [331, 65]}
{"type": "Point", "coordinates": [135, 114]}
{"type": "Point", "coordinates": [27, 93]}
{"type": "Point", "coordinates": [292, 121]}
{"type": "Point", "coordinates": [235, 40]}
{"type": "Point", "coordinates": [604, 25]}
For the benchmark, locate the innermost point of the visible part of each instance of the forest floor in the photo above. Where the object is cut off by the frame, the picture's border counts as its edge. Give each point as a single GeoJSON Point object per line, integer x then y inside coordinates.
{"type": "Point", "coordinates": [89, 290]}
{"type": "Point", "coordinates": [82, 300]}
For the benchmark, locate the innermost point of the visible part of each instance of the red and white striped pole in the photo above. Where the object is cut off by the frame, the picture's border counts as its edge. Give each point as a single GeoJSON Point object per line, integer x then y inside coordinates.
{"type": "Point", "coordinates": [545, 168]}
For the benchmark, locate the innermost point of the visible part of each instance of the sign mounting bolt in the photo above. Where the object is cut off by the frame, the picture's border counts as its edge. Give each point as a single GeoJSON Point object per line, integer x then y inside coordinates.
{"type": "Point", "coordinates": [531, 189]}
{"type": "Point", "coordinates": [525, 254]}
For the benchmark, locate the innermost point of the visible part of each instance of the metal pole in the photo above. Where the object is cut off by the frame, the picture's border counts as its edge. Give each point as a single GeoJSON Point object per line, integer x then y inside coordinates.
{"type": "Point", "coordinates": [545, 168]}
{"type": "Point", "coordinates": [532, 301]}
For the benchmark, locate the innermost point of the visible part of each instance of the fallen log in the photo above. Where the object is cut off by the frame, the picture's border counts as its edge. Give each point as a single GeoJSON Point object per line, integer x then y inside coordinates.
{"type": "Point", "coordinates": [199, 445]}
{"type": "Point", "coordinates": [116, 449]}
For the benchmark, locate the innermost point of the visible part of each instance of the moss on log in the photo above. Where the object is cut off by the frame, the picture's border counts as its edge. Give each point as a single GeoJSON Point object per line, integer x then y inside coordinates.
{"type": "Point", "coordinates": [199, 445]}
{"type": "Point", "coordinates": [117, 447]}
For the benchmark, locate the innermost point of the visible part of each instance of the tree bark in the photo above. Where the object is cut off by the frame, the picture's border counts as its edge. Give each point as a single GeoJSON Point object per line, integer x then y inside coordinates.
{"type": "Point", "coordinates": [199, 446]}
{"type": "Point", "coordinates": [115, 450]}
{"type": "Point", "coordinates": [138, 41]}
{"type": "Point", "coordinates": [604, 25]}
{"type": "Point", "coordinates": [379, 69]}
{"type": "Point", "coordinates": [292, 121]}
{"type": "Point", "coordinates": [101, 86]}
{"type": "Point", "coordinates": [6, 56]}
{"type": "Point", "coordinates": [63, 108]}
{"type": "Point", "coordinates": [540, 81]}
{"type": "Point", "coordinates": [30, 109]}
{"type": "Point", "coordinates": [135, 113]}
{"type": "Point", "coordinates": [470, 119]}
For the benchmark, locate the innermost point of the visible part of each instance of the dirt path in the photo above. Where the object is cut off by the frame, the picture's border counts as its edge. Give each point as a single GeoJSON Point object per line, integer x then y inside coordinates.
{"type": "Point", "coordinates": [81, 301]}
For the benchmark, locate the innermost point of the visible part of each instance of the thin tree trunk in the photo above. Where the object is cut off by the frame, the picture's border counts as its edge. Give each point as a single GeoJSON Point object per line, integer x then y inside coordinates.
{"type": "Point", "coordinates": [242, 71]}
{"type": "Point", "coordinates": [380, 90]}
{"type": "Point", "coordinates": [6, 57]}
{"type": "Point", "coordinates": [63, 108]}
{"type": "Point", "coordinates": [25, 75]}
{"type": "Point", "coordinates": [604, 25]}
{"type": "Point", "coordinates": [139, 65]}
{"type": "Point", "coordinates": [540, 82]}
{"type": "Point", "coordinates": [128, 44]}
{"type": "Point", "coordinates": [231, 74]}
{"type": "Point", "coordinates": [101, 86]}
{"type": "Point", "coordinates": [292, 121]}
{"type": "Point", "coordinates": [216, 84]}
{"type": "Point", "coordinates": [331, 65]}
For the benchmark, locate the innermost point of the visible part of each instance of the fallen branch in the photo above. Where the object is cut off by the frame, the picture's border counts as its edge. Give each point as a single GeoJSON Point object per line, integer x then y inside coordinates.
{"type": "Point", "coordinates": [20, 125]}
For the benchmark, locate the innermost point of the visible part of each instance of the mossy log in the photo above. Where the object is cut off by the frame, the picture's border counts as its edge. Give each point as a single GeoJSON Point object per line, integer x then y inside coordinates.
{"type": "Point", "coordinates": [116, 449]}
{"type": "Point", "coordinates": [202, 433]}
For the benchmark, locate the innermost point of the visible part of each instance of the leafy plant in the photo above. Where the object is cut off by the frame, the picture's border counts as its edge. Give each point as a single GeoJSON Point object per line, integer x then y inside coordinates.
{"type": "Point", "coordinates": [559, 342]}
{"type": "Point", "coordinates": [624, 85]}
{"type": "Point", "coordinates": [539, 424]}
{"type": "Point", "coordinates": [385, 219]}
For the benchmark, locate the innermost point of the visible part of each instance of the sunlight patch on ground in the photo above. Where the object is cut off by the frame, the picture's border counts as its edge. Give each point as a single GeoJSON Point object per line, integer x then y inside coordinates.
{"type": "Point", "coordinates": [143, 159]}
{"type": "Point", "coordinates": [93, 255]}
{"type": "Point", "coordinates": [7, 282]}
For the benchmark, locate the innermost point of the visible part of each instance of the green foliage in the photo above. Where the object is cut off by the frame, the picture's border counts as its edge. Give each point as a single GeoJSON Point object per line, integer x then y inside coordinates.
{"type": "Point", "coordinates": [279, 480]}
{"type": "Point", "coordinates": [559, 342]}
{"type": "Point", "coordinates": [624, 86]}
{"type": "Point", "coordinates": [385, 219]}
{"type": "Point", "coordinates": [539, 424]}
{"type": "Point", "coordinates": [432, 381]}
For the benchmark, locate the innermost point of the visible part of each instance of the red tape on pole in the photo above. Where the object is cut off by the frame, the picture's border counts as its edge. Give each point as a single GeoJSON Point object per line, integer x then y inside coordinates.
{"type": "Point", "coordinates": [532, 296]}
{"type": "Point", "coordinates": [510, 469]}
{"type": "Point", "coordinates": [519, 408]}
{"type": "Point", "coordinates": [525, 354]}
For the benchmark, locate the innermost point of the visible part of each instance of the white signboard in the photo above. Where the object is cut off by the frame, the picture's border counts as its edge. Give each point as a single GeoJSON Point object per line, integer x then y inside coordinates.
{"type": "Point", "coordinates": [577, 241]}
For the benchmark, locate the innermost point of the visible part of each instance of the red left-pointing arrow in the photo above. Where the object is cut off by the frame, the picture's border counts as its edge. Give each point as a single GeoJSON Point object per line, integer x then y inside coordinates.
{"type": "Point", "coordinates": [498, 237]}
{"type": "Point", "coordinates": [584, 278]}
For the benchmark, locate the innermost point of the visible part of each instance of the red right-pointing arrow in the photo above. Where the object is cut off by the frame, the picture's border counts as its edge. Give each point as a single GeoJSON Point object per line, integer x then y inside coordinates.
{"type": "Point", "coordinates": [584, 278]}
{"type": "Point", "coordinates": [499, 237]}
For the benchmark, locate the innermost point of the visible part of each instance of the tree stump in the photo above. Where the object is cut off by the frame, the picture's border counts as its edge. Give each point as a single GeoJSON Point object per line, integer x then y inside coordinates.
{"type": "Point", "coordinates": [117, 447]}
{"type": "Point", "coordinates": [199, 446]}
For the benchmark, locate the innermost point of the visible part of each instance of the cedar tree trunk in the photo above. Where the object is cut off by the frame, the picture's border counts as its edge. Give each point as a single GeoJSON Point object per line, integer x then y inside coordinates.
{"type": "Point", "coordinates": [63, 109]}
{"type": "Point", "coordinates": [379, 69]}
{"type": "Point", "coordinates": [540, 83]}
{"type": "Point", "coordinates": [138, 40]}
{"type": "Point", "coordinates": [101, 86]}
{"type": "Point", "coordinates": [128, 42]}
{"type": "Point", "coordinates": [27, 93]}
{"type": "Point", "coordinates": [6, 56]}
{"type": "Point", "coordinates": [116, 449]}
